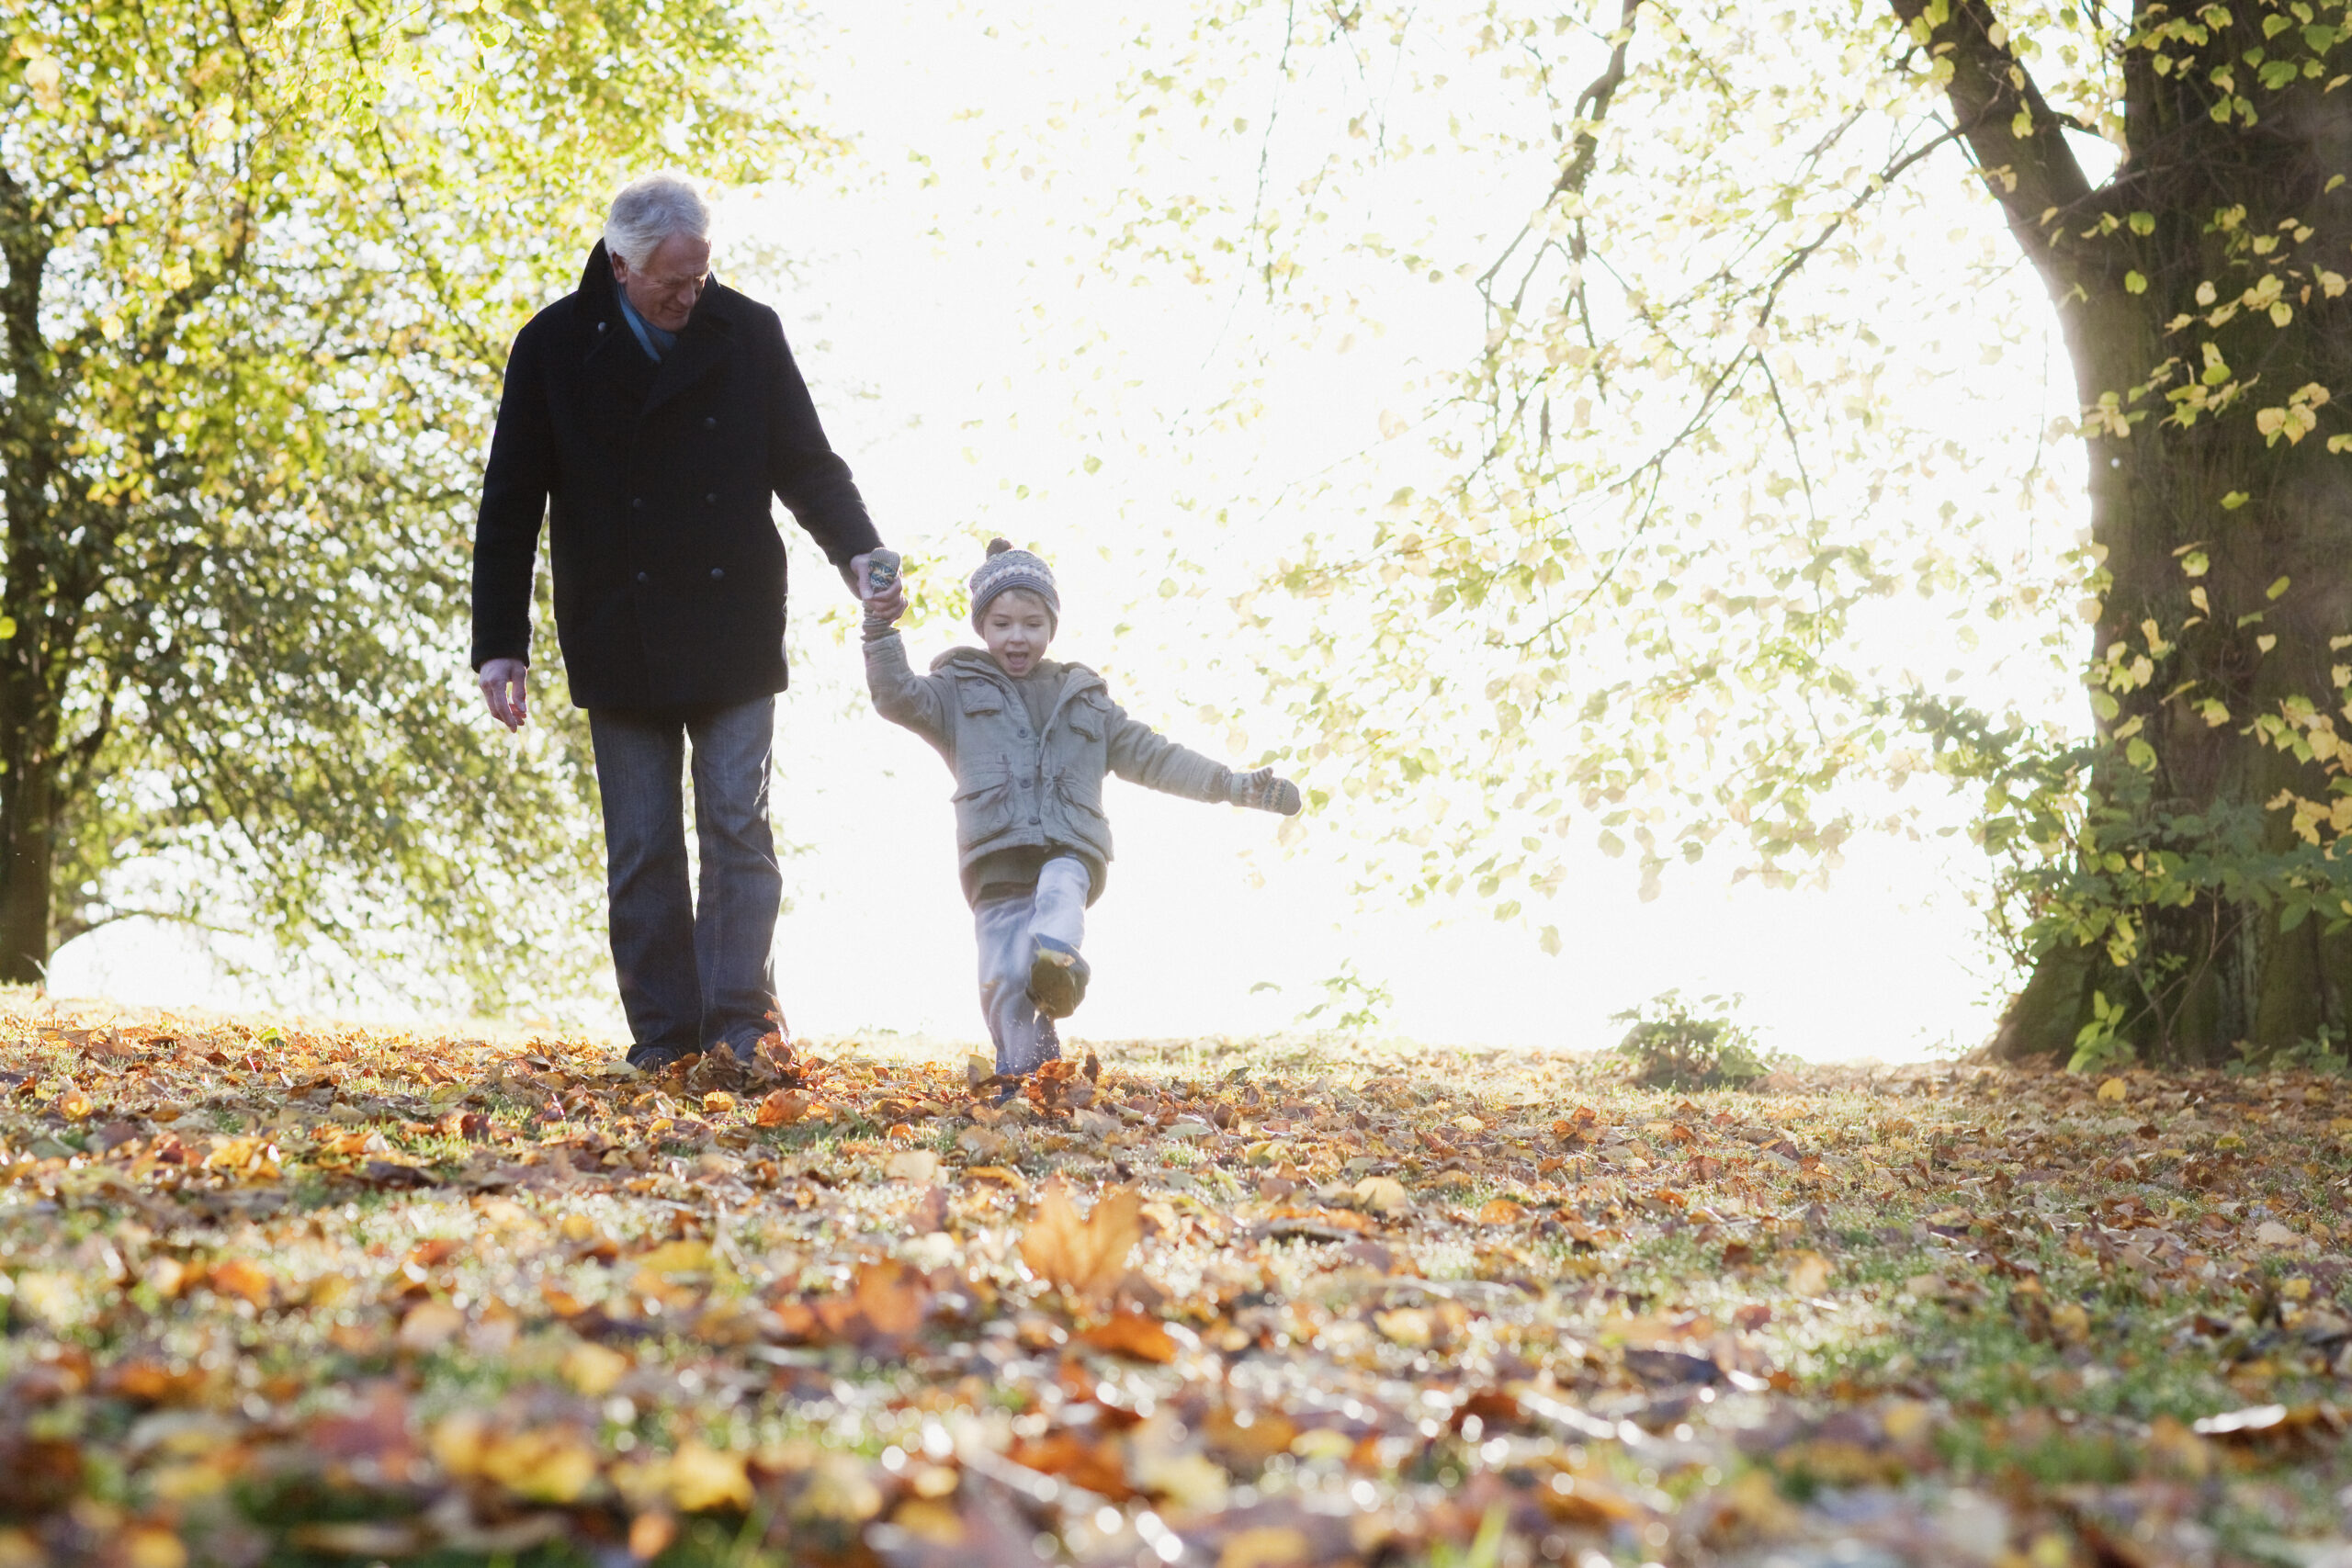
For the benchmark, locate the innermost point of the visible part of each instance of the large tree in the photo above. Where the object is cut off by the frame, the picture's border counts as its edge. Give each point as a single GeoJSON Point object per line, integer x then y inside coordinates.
{"type": "Point", "coordinates": [1717, 427]}
{"type": "Point", "coordinates": [2199, 290]}
{"type": "Point", "coordinates": [259, 263]}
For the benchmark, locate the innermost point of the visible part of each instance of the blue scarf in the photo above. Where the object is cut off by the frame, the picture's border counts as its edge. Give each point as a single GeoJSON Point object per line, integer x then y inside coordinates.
{"type": "Point", "coordinates": [652, 339]}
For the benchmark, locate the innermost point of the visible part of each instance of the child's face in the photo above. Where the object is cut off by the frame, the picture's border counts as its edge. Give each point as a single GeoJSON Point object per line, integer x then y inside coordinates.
{"type": "Point", "coordinates": [1016, 628]}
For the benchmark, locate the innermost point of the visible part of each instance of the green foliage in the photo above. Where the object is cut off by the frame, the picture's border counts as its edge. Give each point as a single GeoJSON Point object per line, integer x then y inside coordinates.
{"type": "Point", "coordinates": [1354, 1003]}
{"type": "Point", "coordinates": [1672, 1043]}
{"type": "Point", "coordinates": [2094, 854]}
{"type": "Point", "coordinates": [261, 271]}
{"type": "Point", "coordinates": [1616, 595]}
{"type": "Point", "coordinates": [2320, 1053]}
{"type": "Point", "coordinates": [2100, 1045]}
{"type": "Point", "coordinates": [1681, 475]}
{"type": "Point", "coordinates": [1486, 1549]}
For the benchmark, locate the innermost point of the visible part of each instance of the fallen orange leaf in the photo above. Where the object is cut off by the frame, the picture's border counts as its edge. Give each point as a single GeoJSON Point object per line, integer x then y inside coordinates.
{"type": "Point", "coordinates": [429, 1325]}
{"type": "Point", "coordinates": [892, 1296]}
{"type": "Point", "coordinates": [1808, 1274]}
{"type": "Point", "coordinates": [1097, 1466]}
{"type": "Point", "coordinates": [781, 1107]}
{"type": "Point", "coordinates": [238, 1278]}
{"type": "Point", "coordinates": [1134, 1336]}
{"type": "Point", "coordinates": [650, 1534]}
{"type": "Point", "coordinates": [1085, 1255]}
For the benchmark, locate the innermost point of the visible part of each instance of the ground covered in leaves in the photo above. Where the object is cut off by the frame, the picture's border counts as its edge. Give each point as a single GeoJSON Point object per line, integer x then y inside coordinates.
{"type": "Point", "coordinates": [289, 1295]}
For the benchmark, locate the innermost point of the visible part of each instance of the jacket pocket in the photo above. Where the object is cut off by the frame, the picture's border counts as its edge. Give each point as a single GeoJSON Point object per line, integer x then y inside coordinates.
{"type": "Point", "coordinates": [978, 698]}
{"type": "Point", "coordinates": [1080, 796]}
{"type": "Point", "coordinates": [983, 801]}
{"type": "Point", "coordinates": [1080, 757]}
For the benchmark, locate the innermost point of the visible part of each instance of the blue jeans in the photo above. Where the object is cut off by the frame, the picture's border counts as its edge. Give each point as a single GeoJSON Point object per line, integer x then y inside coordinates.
{"type": "Point", "coordinates": [1008, 927]}
{"type": "Point", "coordinates": [693, 973]}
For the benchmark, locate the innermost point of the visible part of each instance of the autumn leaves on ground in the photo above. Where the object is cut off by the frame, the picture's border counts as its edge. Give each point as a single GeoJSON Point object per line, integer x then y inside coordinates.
{"type": "Point", "coordinates": [284, 1297]}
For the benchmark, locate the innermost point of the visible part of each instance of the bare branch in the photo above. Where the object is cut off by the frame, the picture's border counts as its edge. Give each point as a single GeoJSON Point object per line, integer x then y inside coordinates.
{"type": "Point", "coordinates": [69, 926]}
{"type": "Point", "coordinates": [1804, 253]}
{"type": "Point", "coordinates": [2018, 140]}
{"type": "Point", "coordinates": [1592, 107]}
{"type": "Point", "coordinates": [1789, 429]}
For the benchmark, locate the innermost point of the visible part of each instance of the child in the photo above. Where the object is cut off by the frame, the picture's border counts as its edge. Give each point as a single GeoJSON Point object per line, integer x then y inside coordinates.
{"type": "Point", "coordinates": [1029, 740]}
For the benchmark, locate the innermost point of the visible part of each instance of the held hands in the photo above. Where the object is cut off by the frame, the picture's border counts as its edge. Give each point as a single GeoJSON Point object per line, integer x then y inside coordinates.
{"type": "Point", "coordinates": [1261, 790]}
{"type": "Point", "coordinates": [874, 578]}
{"type": "Point", "coordinates": [501, 688]}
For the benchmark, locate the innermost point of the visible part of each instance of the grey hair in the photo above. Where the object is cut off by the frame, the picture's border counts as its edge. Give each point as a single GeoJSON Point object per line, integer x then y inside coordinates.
{"type": "Point", "coordinates": [650, 210]}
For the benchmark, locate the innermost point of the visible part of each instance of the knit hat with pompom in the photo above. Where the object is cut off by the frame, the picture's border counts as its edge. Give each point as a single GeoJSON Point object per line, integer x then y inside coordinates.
{"type": "Point", "coordinates": [1008, 568]}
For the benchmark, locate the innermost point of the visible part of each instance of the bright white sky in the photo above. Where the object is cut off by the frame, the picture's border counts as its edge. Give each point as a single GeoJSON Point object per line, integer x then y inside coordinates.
{"type": "Point", "coordinates": [938, 323]}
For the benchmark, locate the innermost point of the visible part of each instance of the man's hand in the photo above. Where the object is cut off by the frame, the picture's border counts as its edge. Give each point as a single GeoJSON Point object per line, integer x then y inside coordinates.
{"type": "Point", "coordinates": [501, 688]}
{"type": "Point", "coordinates": [887, 605]}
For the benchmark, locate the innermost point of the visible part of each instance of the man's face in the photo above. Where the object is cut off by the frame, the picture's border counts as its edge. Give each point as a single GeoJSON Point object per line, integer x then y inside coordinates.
{"type": "Point", "coordinates": [1016, 628]}
{"type": "Point", "coordinates": [665, 290]}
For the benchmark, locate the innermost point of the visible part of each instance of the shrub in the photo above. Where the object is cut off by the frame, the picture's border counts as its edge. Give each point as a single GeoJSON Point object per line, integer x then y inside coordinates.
{"type": "Point", "coordinates": [1671, 1043]}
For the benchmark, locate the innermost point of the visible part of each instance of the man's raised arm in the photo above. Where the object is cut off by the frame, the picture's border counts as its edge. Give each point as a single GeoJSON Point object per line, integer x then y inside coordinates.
{"type": "Point", "coordinates": [806, 474]}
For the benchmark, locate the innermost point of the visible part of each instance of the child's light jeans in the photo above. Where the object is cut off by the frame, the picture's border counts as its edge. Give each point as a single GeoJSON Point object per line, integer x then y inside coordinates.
{"type": "Point", "coordinates": [1008, 927]}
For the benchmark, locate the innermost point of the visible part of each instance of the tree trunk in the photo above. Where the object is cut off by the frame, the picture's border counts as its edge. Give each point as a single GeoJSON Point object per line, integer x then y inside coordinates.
{"type": "Point", "coordinates": [32, 489]}
{"type": "Point", "coordinates": [2199, 305]}
{"type": "Point", "coordinates": [29, 840]}
{"type": "Point", "coordinates": [30, 723]}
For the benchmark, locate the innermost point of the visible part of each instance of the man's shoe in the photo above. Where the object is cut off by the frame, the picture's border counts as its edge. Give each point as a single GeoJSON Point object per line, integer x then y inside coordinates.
{"type": "Point", "coordinates": [653, 1058]}
{"type": "Point", "coordinates": [1057, 978]}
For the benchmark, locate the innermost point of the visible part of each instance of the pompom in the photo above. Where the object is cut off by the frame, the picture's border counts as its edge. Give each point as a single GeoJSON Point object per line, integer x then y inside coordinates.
{"type": "Point", "coordinates": [998, 546]}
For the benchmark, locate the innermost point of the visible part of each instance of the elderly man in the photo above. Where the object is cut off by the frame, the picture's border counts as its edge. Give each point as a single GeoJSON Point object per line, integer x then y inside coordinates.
{"type": "Point", "coordinates": [650, 414]}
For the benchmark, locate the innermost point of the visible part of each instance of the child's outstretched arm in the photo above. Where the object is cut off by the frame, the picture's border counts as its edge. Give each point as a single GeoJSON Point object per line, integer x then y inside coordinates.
{"type": "Point", "coordinates": [900, 695]}
{"type": "Point", "coordinates": [1140, 754]}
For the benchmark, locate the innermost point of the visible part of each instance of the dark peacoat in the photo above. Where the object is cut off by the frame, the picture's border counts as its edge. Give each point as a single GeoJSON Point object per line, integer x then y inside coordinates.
{"type": "Point", "coordinates": [669, 571]}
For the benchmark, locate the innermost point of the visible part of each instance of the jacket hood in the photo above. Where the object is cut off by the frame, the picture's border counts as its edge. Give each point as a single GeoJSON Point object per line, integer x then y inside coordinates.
{"type": "Point", "coordinates": [968, 660]}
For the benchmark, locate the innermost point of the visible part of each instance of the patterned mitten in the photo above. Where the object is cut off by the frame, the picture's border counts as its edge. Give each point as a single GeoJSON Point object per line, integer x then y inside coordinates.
{"type": "Point", "coordinates": [1261, 790]}
{"type": "Point", "coordinates": [881, 570]}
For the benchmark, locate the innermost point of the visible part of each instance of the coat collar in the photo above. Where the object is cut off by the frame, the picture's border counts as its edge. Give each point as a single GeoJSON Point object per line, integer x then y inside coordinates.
{"type": "Point", "coordinates": [600, 303]}
{"type": "Point", "coordinates": [702, 345]}
{"type": "Point", "coordinates": [596, 276]}
{"type": "Point", "coordinates": [977, 663]}
{"type": "Point", "coordinates": [702, 342]}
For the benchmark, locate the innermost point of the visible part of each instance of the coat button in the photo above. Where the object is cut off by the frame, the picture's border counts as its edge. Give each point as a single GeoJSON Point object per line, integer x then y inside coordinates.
{"type": "Point", "coordinates": [641, 576]}
{"type": "Point", "coordinates": [600, 326]}
{"type": "Point", "coordinates": [710, 499]}
{"type": "Point", "coordinates": [1024, 734]}
{"type": "Point", "coordinates": [637, 503]}
{"type": "Point", "coordinates": [709, 420]}
{"type": "Point", "coordinates": [717, 572]}
{"type": "Point", "coordinates": [1033, 822]}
